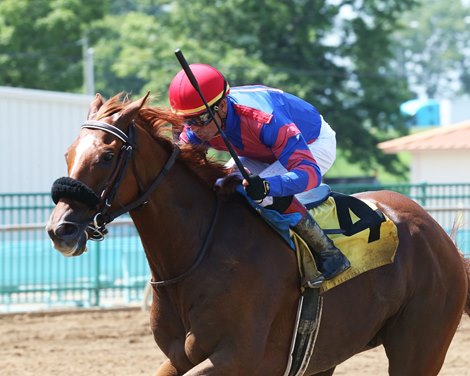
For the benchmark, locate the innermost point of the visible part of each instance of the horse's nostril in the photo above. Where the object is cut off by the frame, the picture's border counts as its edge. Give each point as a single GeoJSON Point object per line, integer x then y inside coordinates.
{"type": "Point", "coordinates": [65, 230]}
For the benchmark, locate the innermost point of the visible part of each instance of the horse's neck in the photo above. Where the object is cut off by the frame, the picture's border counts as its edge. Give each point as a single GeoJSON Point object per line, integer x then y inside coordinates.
{"type": "Point", "coordinates": [173, 224]}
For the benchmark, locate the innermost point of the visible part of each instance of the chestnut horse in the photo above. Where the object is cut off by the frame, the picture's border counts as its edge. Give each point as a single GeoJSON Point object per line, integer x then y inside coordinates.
{"type": "Point", "coordinates": [228, 290]}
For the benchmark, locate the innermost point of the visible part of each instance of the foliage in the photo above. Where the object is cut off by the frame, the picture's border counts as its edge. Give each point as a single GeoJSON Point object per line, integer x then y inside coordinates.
{"type": "Point", "coordinates": [433, 48]}
{"type": "Point", "coordinates": [294, 48]}
{"type": "Point", "coordinates": [334, 53]}
{"type": "Point", "coordinates": [40, 42]}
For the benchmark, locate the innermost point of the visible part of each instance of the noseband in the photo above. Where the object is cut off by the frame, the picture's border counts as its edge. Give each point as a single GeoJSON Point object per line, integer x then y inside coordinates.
{"type": "Point", "coordinates": [66, 187]}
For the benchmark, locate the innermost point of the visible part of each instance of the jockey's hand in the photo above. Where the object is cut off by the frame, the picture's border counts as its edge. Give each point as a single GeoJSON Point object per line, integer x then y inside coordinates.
{"type": "Point", "coordinates": [257, 188]}
{"type": "Point", "coordinates": [227, 185]}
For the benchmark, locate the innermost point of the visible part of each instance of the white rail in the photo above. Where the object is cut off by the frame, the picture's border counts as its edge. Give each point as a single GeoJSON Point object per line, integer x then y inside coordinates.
{"type": "Point", "coordinates": [41, 226]}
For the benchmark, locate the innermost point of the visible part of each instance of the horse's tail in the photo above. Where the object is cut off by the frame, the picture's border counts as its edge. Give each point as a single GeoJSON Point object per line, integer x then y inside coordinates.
{"type": "Point", "coordinates": [458, 223]}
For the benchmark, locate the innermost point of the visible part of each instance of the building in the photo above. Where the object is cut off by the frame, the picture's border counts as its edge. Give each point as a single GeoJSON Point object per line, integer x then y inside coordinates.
{"type": "Point", "coordinates": [37, 127]}
{"type": "Point", "coordinates": [422, 112]}
{"type": "Point", "coordinates": [440, 155]}
{"type": "Point", "coordinates": [432, 112]}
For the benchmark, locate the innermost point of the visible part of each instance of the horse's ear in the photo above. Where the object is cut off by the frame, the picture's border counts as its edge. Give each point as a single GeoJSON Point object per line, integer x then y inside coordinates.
{"type": "Point", "coordinates": [95, 106]}
{"type": "Point", "coordinates": [131, 111]}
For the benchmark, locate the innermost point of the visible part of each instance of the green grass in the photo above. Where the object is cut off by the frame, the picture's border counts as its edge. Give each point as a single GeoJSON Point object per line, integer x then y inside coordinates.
{"type": "Point", "coordinates": [342, 168]}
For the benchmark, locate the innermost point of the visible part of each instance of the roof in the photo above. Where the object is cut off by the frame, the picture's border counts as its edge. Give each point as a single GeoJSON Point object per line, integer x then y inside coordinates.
{"type": "Point", "coordinates": [449, 137]}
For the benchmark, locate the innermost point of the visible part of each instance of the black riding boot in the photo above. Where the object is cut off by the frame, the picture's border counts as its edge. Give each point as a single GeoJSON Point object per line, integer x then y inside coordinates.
{"type": "Point", "coordinates": [330, 260]}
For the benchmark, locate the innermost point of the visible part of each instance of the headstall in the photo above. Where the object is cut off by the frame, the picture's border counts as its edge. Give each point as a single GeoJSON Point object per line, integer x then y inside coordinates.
{"type": "Point", "coordinates": [66, 187]}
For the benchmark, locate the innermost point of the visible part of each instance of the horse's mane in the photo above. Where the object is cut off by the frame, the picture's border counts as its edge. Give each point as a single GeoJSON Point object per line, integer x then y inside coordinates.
{"type": "Point", "coordinates": [163, 125]}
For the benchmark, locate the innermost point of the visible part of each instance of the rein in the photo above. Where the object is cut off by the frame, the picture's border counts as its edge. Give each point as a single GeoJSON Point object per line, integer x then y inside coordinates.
{"type": "Point", "coordinates": [70, 188]}
{"type": "Point", "coordinates": [200, 256]}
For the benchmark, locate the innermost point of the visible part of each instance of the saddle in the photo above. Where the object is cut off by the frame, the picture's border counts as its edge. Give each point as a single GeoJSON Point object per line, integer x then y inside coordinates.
{"type": "Point", "coordinates": [361, 231]}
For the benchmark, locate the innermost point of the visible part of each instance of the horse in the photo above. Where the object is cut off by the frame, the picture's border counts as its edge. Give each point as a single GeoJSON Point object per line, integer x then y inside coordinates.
{"type": "Point", "coordinates": [226, 287]}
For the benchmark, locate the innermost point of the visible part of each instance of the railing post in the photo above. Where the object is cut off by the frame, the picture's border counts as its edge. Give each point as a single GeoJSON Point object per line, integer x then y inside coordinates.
{"type": "Point", "coordinates": [97, 274]}
{"type": "Point", "coordinates": [423, 193]}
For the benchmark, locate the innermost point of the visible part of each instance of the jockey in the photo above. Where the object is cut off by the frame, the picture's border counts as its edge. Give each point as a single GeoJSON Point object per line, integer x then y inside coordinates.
{"type": "Point", "coordinates": [283, 141]}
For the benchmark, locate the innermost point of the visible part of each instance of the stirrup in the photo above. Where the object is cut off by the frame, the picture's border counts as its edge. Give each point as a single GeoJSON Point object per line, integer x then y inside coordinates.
{"type": "Point", "coordinates": [316, 283]}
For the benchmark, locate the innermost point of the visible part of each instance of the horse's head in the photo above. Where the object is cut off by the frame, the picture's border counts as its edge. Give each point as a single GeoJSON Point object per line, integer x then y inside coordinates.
{"type": "Point", "coordinates": [97, 165]}
{"type": "Point", "coordinates": [122, 153]}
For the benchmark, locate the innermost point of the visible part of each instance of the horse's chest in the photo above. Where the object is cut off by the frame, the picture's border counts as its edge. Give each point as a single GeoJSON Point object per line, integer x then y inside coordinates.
{"type": "Point", "coordinates": [175, 337]}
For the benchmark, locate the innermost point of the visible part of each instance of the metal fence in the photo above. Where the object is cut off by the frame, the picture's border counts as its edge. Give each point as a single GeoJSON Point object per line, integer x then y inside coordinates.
{"type": "Point", "coordinates": [35, 276]}
{"type": "Point", "coordinates": [447, 203]}
{"type": "Point", "coordinates": [114, 272]}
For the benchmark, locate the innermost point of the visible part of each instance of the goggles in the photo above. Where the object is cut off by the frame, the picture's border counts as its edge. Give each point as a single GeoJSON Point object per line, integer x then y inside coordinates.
{"type": "Point", "coordinates": [201, 120]}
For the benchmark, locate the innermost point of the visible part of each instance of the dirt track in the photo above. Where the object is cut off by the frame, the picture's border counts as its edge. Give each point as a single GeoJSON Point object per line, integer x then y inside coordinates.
{"type": "Point", "coordinates": [116, 343]}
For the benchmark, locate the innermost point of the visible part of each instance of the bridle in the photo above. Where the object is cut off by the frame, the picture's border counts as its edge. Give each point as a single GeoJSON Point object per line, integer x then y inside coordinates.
{"type": "Point", "coordinates": [66, 187]}
{"type": "Point", "coordinates": [103, 216]}
{"type": "Point", "coordinates": [96, 229]}
{"type": "Point", "coordinates": [127, 149]}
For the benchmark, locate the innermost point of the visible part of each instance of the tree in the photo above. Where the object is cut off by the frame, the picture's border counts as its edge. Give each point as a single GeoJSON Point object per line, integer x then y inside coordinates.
{"type": "Point", "coordinates": [433, 48]}
{"type": "Point", "coordinates": [40, 42]}
{"type": "Point", "coordinates": [335, 54]}
{"type": "Point", "coordinates": [133, 53]}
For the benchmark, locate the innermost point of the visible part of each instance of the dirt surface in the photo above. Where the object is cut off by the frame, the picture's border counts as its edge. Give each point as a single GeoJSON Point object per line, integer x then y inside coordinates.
{"type": "Point", "coordinates": [120, 343]}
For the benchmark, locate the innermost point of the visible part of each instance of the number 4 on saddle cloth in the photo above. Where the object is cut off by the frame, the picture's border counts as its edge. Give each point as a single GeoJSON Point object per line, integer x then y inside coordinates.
{"type": "Point", "coordinates": [357, 227]}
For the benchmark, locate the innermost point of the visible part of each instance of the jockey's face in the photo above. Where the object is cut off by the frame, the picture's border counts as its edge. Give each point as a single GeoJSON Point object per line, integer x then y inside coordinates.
{"type": "Point", "coordinates": [207, 131]}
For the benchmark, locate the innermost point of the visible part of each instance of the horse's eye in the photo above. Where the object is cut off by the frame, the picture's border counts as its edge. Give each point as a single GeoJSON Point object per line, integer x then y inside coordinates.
{"type": "Point", "coordinates": [108, 157]}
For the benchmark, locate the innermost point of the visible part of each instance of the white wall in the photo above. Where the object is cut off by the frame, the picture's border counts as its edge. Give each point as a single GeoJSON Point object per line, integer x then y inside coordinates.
{"type": "Point", "coordinates": [454, 111]}
{"type": "Point", "coordinates": [440, 166]}
{"type": "Point", "coordinates": [36, 127]}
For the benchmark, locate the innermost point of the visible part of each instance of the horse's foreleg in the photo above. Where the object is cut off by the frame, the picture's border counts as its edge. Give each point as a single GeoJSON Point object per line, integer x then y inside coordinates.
{"type": "Point", "coordinates": [218, 367]}
{"type": "Point", "coordinates": [167, 369]}
{"type": "Point", "coordinates": [207, 368]}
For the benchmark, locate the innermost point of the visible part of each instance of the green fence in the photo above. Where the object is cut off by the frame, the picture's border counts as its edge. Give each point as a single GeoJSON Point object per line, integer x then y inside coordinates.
{"type": "Point", "coordinates": [447, 203]}
{"type": "Point", "coordinates": [35, 276]}
{"type": "Point", "coordinates": [114, 272]}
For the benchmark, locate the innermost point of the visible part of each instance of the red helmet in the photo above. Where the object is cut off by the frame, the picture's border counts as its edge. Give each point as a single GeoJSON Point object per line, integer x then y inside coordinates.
{"type": "Point", "coordinates": [185, 100]}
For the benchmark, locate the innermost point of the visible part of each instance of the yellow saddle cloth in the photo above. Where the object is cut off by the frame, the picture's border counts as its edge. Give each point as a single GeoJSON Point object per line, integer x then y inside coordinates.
{"type": "Point", "coordinates": [366, 249]}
